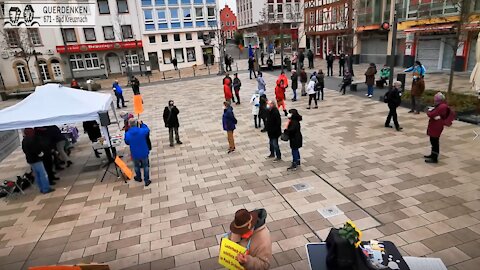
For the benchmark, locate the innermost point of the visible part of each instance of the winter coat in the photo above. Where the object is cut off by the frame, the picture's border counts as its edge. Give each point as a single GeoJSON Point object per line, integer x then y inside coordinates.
{"type": "Point", "coordinates": [55, 135]}
{"type": "Point", "coordinates": [170, 117]}
{"type": "Point", "coordinates": [32, 149]}
{"type": "Point", "coordinates": [279, 93]}
{"type": "Point", "coordinates": [136, 137]}
{"type": "Point", "coordinates": [418, 87]}
{"type": "Point", "coordinates": [227, 81]}
{"type": "Point", "coordinates": [293, 131]}
{"type": "Point", "coordinates": [118, 90]}
{"type": "Point", "coordinates": [273, 125]}
{"type": "Point", "coordinates": [262, 112]}
{"type": "Point", "coordinates": [310, 55]}
{"type": "Point", "coordinates": [394, 97]}
{"type": "Point", "coordinates": [370, 76]}
{"type": "Point", "coordinates": [261, 83]}
{"type": "Point", "coordinates": [93, 130]}
{"type": "Point", "coordinates": [435, 126]}
{"type": "Point", "coordinates": [303, 77]}
{"type": "Point", "coordinates": [330, 58]}
{"type": "Point", "coordinates": [301, 57]}
{"type": "Point", "coordinates": [311, 87]}
{"type": "Point", "coordinates": [227, 91]}
{"type": "Point", "coordinates": [341, 60]}
{"type": "Point", "coordinates": [283, 78]}
{"type": "Point", "coordinates": [320, 81]}
{"type": "Point", "coordinates": [228, 120]}
{"type": "Point", "coordinates": [251, 64]}
{"type": "Point", "coordinates": [294, 79]}
{"type": "Point", "coordinates": [255, 100]}
{"type": "Point", "coordinates": [236, 84]}
{"type": "Point", "coordinates": [135, 84]}
{"type": "Point", "coordinates": [347, 79]}
{"type": "Point", "coordinates": [385, 73]}
{"type": "Point", "coordinates": [260, 252]}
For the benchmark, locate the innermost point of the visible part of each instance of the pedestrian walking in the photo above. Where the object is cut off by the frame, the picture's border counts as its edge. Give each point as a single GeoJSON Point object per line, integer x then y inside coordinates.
{"type": "Point", "coordinates": [320, 84]}
{"type": "Point", "coordinates": [255, 101]}
{"type": "Point", "coordinates": [418, 86]}
{"type": "Point", "coordinates": [437, 115]}
{"type": "Point", "coordinates": [175, 63]}
{"type": "Point", "coordinates": [294, 61]}
{"type": "Point", "coordinates": [370, 79]}
{"type": "Point", "coordinates": [136, 138]}
{"type": "Point", "coordinates": [294, 78]}
{"type": "Point", "coordinates": [330, 58]}
{"type": "Point", "coordinates": [248, 229]}
{"type": "Point", "coordinates": [303, 81]}
{"type": "Point", "coordinates": [236, 86]}
{"type": "Point", "coordinates": [251, 67]}
{"type": "Point", "coordinates": [117, 90]}
{"type": "Point", "coordinates": [346, 81]}
{"type": "Point", "coordinates": [341, 64]}
{"type": "Point", "coordinates": [229, 83]}
{"type": "Point", "coordinates": [293, 131]}
{"type": "Point", "coordinates": [274, 130]}
{"type": "Point", "coordinates": [262, 57]}
{"type": "Point", "coordinates": [311, 92]}
{"type": "Point", "coordinates": [135, 83]}
{"type": "Point", "coordinates": [262, 111]}
{"type": "Point", "coordinates": [301, 59]}
{"type": "Point", "coordinates": [393, 98]}
{"type": "Point", "coordinates": [310, 59]}
{"type": "Point", "coordinates": [170, 118]}
{"type": "Point", "coordinates": [34, 155]}
{"type": "Point", "coordinates": [229, 121]}
{"type": "Point", "coordinates": [261, 85]}
{"type": "Point", "coordinates": [282, 84]}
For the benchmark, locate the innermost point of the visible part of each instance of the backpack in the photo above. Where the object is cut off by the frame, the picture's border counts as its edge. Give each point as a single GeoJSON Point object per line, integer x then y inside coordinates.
{"type": "Point", "coordinates": [451, 116]}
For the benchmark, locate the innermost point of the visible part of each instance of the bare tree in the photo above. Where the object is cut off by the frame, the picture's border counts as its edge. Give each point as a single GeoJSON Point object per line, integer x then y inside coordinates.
{"type": "Point", "coordinates": [219, 41]}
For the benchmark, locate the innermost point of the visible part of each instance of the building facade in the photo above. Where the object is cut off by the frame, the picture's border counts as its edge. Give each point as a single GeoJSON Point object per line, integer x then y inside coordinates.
{"type": "Point", "coordinates": [185, 30]}
{"type": "Point", "coordinates": [228, 21]}
{"type": "Point", "coordinates": [328, 26]}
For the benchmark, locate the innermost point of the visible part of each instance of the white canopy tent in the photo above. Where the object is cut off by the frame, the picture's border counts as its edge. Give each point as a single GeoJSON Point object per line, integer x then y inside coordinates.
{"type": "Point", "coordinates": [54, 104]}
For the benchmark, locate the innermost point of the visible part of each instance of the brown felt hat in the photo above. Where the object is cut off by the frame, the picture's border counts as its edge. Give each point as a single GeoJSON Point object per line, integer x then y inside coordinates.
{"type": "Point", "coordinates": [244, 221]}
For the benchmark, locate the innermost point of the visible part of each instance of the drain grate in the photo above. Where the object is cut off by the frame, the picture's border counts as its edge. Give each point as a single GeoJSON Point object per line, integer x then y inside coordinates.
{"type": "Point", "coordinates": [330, 211]}
{"type": "Point", "coordinates": [301, 187]}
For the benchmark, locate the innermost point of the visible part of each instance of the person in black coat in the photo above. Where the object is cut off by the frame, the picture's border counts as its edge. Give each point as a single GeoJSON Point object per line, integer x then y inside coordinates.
{"type": "Point", "coordinates": [294, 136]}
{"type": "Point", "coordinates": [330, 58]}
{"type": "Point", "coordinates": [46, 144]}
{"type": "Point", "coordinates": [393, 98]}
{"type": "Point", "coordinates": [294, 79]}
{"type": "Point", "coordinates": [274, 130]}
{"type": "Point", "coordinates": [262, 112]}
{"type": "Point", "coordinates": [301, 59]}
{"type": "Point", "coordinates": [170, 118]}
{"type": "Point", "coordinates": [251, 67]}
{"type": "Point", "coordinates": [135, 85]}
{"type": "Point", "coordinates": [236, 87]}
{"type": "Point", "coordinates": [341, 64]}
{"type": "Point", "coordinates": [93, 130]}
{"type": "Point", "coordinates": [310, 58]}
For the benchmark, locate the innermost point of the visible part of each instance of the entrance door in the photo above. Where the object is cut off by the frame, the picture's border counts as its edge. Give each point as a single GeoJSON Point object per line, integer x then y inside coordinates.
{"type": "Point", "coordinates": [114, 64]}
{"type": "Point", "coordinates": [42, 65]}
{"type": "Point", "coordinates": [57, 71]}
{"type": "Point", "coordinates": [153, 58]}
{"type": "Point", "coordinates": [428, 53]}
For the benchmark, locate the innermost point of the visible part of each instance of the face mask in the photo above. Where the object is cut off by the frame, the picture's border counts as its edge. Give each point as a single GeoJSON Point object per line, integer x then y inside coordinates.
{"type": "Point", "coordinates": [247, 234]}
{"type": "Point", "coordinates": [415, 77]}
{"type": "Point", "coordinates": [289, 115]}
{"type": "Point", "coordinates": [269, 107]}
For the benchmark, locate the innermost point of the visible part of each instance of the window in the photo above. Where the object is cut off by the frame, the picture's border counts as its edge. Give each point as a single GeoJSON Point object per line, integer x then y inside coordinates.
{"type": "Point", "coordinates": [176, 37]}
{"type": "Point", "coordinates": [69, 34]}
{"type": "Point", "coordinates": [191, 57]}
{"type": "Point", "coordinates": [288, 11]}
{"type": "Point", "coordinates": [211, 1]}
{"type": "Point", "coordinates": [43, 68]}
{"type": "Point", "coordinates": [186, 2]}
{"type": "Point", "coordinates": [76, 62]}
{"type": "Point", "coordinates": [108, 33]}
{"type": "Point", "coordinates": [127, 31]}
{"type": "Point", "coordinates": [34, 36]}
{"type": "Point", "coordinates": [151, 39]}
{"type": "Point", "coordinates": [228, 15]}
{"type": "Point", "coordinates": [162, 19]}
{"type": "Point", "coordinates": [280, 8]}
{"type": "Point", "coordinates": [159, 3]}
{"type": "Point", "coordinates": [89, 34]}
{"type": "Point", "coordinates": [199, 13]}
{"type": "Point", "coordinates": [122, 6]}
{"type": "Point", "coordinates": [200, 35]}
{"type": "Point", "coordinates": [233, 23]}
{"type": "Point", "coordinates": [164, 38]}
{"type": "Point", "coordinates": [188, 36]}
{"type": "Point", "coordinates": [132, 58]}
{"type": "Point", "coordinates": [103, 7]}
{"type": "Point", "coordinates": [172, 2]}
{"type": "Point", "coordinates": [91, 61]}
{"type": "Point", "coordinates": [146, 3]}
{"type": "Point", "coordinates": [174, 14]}
{"type": "Point", "coordinates": [149, 25]}
{"type": "Point", "coordinates": [198, 2]}
{"type": "Point", "coordinates": [211, 13]}
{"type": "Point", "coordinates": [187, 14]}
{"type": "Point", "coordinates": [228, 23]}
{"type": "Point", "coordinates": [167, 56]}
{"type": "Point", "coordinates": [22, 73]}
{"type": "Point", "coordinates": [179, 55]}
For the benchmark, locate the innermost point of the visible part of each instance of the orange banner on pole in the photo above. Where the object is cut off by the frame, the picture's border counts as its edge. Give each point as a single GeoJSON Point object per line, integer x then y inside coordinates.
{"type": "Point", "coordinates": [124, 168]}
{"type": "Point", "coordinates": [137, 104]}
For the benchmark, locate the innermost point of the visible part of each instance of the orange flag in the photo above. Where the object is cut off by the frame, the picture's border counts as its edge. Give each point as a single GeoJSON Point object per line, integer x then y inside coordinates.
{"type": "Point", "coordinates": [137, 104]}
{"type": "Point", "coordinates": [124, 168]}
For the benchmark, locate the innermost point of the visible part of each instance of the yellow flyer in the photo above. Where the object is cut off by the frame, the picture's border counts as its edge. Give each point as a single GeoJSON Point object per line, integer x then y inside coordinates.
{"type": "Point", "coordinates": [227, 256]}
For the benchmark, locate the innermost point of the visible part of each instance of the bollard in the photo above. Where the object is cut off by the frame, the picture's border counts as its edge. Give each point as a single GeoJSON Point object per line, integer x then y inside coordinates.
{"type": "Point", "coordinates": [208, 67]}
{"type": "Point", "coordinates": [164, 75]}
{"type": "Point", "coordinates": [179, 74]}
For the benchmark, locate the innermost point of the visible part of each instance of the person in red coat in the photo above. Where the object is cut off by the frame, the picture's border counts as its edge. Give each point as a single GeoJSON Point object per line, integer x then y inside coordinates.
{"type": "Point", "coordinates": [227, 92]}
{"type": "Point", "coordinates": [281, 86]}
{"type": "Point", "coordinates": [437, 115]}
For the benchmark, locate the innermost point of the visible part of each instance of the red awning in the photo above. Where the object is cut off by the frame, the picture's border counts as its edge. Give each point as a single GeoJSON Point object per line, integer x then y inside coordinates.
{"type": "Point", "coordinates": [96, 47]}
{"type": "Point", "coordinates": [430, 28]}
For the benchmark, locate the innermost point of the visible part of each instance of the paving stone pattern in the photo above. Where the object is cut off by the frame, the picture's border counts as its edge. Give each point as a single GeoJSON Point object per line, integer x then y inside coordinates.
{"type": "Point", "coordinates": [376, 176]}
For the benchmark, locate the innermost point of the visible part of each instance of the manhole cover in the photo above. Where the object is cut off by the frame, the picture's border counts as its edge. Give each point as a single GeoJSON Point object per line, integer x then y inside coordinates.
{"type": "Point", "coordinates": [301, 187]}
{"type": "Point", "coordinates": [330, 211]}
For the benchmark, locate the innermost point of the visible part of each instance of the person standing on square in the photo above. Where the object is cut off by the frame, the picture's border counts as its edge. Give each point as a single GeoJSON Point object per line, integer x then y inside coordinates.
{"type": "Point", "coordinates": [341, 64]}
{"type": "Point", "coordinates": [236, 87]}
{"type": "Point", "coordinates": [229, 121]}
{"type": "Point", "coordinates": [393, 98]}
{"type": "Point", "coordinates": [170, 118]}
{"type": "Point", "coordinates": [294, 79]}
{"type": "Point", "coordinates": [274, 130]}
{"type": "Point", "coordinates": [330, 58]}
{"type": "Point", "coordinates": [117, 90]}
{"type": "Point", "coordinates": [136, 138]}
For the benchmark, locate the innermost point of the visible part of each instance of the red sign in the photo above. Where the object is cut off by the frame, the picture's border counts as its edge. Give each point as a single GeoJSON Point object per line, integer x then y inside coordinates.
{"type": "Point", "coordinates": [95, 47]}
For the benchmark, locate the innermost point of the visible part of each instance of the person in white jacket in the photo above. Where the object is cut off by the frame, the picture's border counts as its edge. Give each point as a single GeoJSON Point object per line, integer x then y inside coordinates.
{"type": "Point", "coordinates": [311, 92]}
{"type": "Point", "coordinates": [255, 101]}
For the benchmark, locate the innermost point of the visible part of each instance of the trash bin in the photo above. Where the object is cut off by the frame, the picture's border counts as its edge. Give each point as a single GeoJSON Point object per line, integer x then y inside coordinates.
{"type": "Point", "coordinates": [401, 77]}
{"type": "Point", "coordinates": [89, 84]}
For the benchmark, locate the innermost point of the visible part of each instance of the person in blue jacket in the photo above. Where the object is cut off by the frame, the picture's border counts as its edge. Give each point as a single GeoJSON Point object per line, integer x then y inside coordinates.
{"type": "Point", "coordinates": [417, 69]}
{"type": "Point", "coordinates": [136, 138]}
{"type": "Point", "coordinates": [119, 94]}
{"type": "Point", "coordinates": [229, 121]}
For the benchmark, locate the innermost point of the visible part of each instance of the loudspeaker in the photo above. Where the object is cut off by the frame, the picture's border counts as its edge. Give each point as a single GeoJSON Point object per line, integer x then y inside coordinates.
{"type": "Point", "coordinates": [104, 118]}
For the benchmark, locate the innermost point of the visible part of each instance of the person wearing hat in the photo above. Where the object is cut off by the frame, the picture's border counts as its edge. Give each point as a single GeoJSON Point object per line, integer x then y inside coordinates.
{"type": "Point", "coordinates": [436, 115]}
{"type": "Point", "coordinates": [248, 229]}
{"type": "Point", "coordinates": [236, 86]}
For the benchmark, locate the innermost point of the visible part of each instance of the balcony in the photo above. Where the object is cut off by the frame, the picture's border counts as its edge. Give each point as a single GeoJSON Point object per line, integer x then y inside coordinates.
{"type": "Point", "coordinates": [436, 8]}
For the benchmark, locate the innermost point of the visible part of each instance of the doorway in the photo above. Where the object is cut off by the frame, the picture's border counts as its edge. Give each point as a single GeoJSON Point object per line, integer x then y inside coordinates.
{"type": "Point", "coordinates": [208, 55]}
{"type": "Point", "coordinates": [153, 58]}
{"type": "Point", "coordinates": [57, 70]}
{"type": "Point", "coordinates": [113, 63]}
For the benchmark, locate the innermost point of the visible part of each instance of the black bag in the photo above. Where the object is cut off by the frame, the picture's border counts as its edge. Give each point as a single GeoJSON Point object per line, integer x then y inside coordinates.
{"type": "Point", "coordinates": [284, 137]}
{"type": "Point", "coordinates": [340, 253]}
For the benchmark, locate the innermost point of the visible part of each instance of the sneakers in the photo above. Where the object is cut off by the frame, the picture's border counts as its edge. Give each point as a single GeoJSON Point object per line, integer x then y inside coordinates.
{"type": "Point", "coordinates": [366, 95]}
{"type": "Point", "coordinates": [293, 167]}
{"type": "Point", "coordinates": [433, 161]}
{"type": "Point", "coordinates": [308, 108]}
{"type": "Point", "coordinates": [263, 130]}
{"type": "Point", "coordinates": [370, 96]}
{"type": "Point", "coordinates": [316, 107]}
{"type": "Point", "coordinates": [179, 142]}
{"type": "Point", "coordinates": [411, 111]}
{"type": "Point", "coordinates": [277, 160]}
{"type": "Point", "coordinates": [171, 145]}
{"type": "Point", "coordinates": [148, 183]}
{"type": "Point", "coordinates": [429, 156]}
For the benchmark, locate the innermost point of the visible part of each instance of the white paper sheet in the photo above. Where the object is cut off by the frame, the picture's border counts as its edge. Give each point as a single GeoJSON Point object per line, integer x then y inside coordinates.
{"type": "Point", "coordinates": [419, 263]}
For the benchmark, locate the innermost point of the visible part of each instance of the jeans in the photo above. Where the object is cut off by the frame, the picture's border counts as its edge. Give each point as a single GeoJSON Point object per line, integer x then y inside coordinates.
{"type": "Point", "coordinates": [40, 176]}
{"type": "Point", "coordinates": [170, 134]}
{"type": "Point", "coordinates": [252, 70]}
{"type": "Point", "coordinates": [329, 69]}
{"type": "Point", "coordinates": [231, 140]}
{"type": "Point", "coordinates": [275, 148]}
{"type": "Point", "coordinates": [416, 103]}
{"type": "Point", "coordinates": [435, 142]}
{"type": "Point", "coordinates": [296, 156]}
{"type": "Point", "coordinates": [370, 90]}
{"type": "Point", "coordinates": [294, 94]}
{"type": "Point", "coordinates": [120, 98]}
{"type": "Point", "coordinates": [341, 69]}
{"type": "Point", "coordinates": [392, 113]}
{"type": "Point", "coordinates": [145, 164]}
{"type": "Point", "coordinates": [310, 97]}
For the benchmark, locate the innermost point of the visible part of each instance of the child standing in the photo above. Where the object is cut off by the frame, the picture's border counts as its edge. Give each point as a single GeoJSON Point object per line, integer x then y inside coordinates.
{"type": "Point", "coordinates": [255, 101]}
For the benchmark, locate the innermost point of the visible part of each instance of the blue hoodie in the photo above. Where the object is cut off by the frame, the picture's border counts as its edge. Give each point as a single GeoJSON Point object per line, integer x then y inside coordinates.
{"type": "Point", "coordinates": [228, 119]}
{"type": "Point", "coordinates": [118, 89]}
{"type": "Point", "coordinates": [136, 137]}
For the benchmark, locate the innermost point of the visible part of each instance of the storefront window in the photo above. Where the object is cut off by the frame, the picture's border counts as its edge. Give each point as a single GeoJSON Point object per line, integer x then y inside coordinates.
{"type": "Point", "coordinates": [179, 55]}
{"type": "Point", "coordinates": [76, 61]}
{"type": "Point", "coordinates": [191, 57]}
{"type": "Point", "coordinates": [91, 61]}
{"type": "Point", "coordinates": [167, 56]}
{"type": "Point", "coordinates": [132, 58]}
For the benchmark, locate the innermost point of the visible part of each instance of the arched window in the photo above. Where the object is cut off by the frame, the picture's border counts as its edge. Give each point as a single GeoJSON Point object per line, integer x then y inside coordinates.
{"type": "Point", "coordinates": [22, 73]}
{"type": "Point", "coordinates": [43, 68]}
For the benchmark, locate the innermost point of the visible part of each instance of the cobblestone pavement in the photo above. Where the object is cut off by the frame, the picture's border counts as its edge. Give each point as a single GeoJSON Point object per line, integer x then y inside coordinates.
{"type": "Point", "coordinates": [375, 176]}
